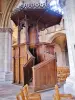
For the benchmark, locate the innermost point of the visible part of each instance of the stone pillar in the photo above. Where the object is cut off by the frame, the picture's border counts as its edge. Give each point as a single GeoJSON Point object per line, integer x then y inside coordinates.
{"type": "Point", "coordinates": [69, 17]}
{"type": "Point", "coordinates": [6, 54]}
{"type": "Point", "coordinates": [63, 59]}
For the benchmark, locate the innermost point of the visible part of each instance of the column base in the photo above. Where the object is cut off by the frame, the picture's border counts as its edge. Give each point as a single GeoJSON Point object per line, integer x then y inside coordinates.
{"type": "Point", "coordinates": [6, 76]}
{"type": "Point", "coordinates": [69, 86]}
{"type": "Point", "coordinates": [9, 76]}
{"type": "Point", "coordinates": [2, 76]}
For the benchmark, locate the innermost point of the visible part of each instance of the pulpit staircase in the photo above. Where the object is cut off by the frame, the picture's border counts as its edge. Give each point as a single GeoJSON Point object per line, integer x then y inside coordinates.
{"type": "Point", "coordinates": [40, 70]}
{"type": "Point", "coordinates": [42, 73]}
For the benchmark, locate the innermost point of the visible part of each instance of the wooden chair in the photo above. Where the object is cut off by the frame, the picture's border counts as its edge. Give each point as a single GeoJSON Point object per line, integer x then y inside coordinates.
{"type": "Point", "coordinates": [30, 96]}
{"type": "Point", "coordinates": [58, 96]}
{"type": "Point", "coordinates": [20, 96]}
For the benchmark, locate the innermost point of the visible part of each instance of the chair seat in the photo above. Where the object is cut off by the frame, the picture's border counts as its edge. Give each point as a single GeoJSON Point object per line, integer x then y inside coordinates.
{"type": "Point", "coordinates": [34, 96]}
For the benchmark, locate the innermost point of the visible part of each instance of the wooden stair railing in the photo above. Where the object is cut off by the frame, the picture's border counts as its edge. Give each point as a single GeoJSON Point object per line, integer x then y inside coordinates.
{"type": "Point", "coordinates": [45, 74]}
{"type": "Point", "coordinates": [28, 68]}
{"type": "Point", "coordinates": [58, 96]}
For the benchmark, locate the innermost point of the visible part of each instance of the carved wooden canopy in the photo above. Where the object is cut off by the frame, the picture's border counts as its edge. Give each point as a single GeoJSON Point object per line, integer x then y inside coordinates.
{"type": "Point", "coordinates": [40, 14]}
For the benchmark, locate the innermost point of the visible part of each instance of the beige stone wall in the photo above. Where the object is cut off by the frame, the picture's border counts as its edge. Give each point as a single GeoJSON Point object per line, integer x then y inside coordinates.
{"type": "Point", "coordinates": [45, 36]}
{"type": "Point", "coordinates": [61, 57]}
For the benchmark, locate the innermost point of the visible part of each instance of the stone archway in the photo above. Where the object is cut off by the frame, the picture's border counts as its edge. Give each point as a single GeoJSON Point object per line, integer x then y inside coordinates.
{"type": "Point", "coordinates": [7, 12]}
{"type": "Point", "coordinates": [59, 39]}
{"type": "Point", "coordinates": [6, 41]}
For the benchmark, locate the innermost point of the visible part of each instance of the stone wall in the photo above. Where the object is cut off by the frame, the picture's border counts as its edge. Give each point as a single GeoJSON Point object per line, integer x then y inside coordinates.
{"type": "Point", "coordinates": [45, 36]}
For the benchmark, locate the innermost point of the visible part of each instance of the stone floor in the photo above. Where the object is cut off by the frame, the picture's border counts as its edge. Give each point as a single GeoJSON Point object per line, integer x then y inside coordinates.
{"type": "Point", "coordinates": [8, 92]}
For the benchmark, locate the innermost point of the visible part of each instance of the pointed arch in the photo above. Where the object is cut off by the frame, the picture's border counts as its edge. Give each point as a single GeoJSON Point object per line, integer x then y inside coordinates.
{"type": "Point", "coordinates": [7, 13]}
{"type": "Point", "coordinates": [60, 39]}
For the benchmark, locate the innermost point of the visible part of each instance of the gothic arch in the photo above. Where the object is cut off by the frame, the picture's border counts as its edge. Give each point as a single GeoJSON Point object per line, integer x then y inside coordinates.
{"type": "Point", "coordinates": [60, 39]}
{"type": "Point", "coordinates": [7, 13]}
{"type": "Point", "coordinates": [56, 36]}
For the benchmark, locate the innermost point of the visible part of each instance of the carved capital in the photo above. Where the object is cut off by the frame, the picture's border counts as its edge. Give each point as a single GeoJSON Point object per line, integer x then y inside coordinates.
{"type": "Point", "coordinates": [6, 30]}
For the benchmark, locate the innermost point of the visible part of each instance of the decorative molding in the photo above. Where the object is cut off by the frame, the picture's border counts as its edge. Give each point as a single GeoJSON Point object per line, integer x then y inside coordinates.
{"type": "Point", "coordinates": [6, 30]}
{"type": "Point", "coordinates": [32, 6]}
{"type": "Point", "coordinates": [24, 6]}
{"type": "Point", "coordinates": [29, 6]}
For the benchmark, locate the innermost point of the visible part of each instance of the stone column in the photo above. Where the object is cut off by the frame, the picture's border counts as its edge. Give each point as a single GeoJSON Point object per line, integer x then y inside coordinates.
{"type": "Point", "coordinates": [5, 54]}
{"type": "Point", "coordinates": [69, 17]}
{"type": "Point", "coordinates": [63, 59]}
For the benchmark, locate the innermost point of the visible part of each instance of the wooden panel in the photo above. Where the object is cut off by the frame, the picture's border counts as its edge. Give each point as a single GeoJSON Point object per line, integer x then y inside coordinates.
{"type": "Point", "coordinates": [13, 63]}
{"type": "Point", "coordinates": [19, 60]}
{"type": "Point", "coordinates": [44, 75]}
{"type": "Point", "coordinates": [0, 4]}
{"type": "Point", "coordinates": [28, 70]}
{"type": "Point", "coordinates": [33, 36]}
{"type": "Point", "coordinates": [12, 59]}
{"type": "Point", "coordinates": [16, 70]}
{"type": "Point", "coordinates": [44, 52]}
{"type": "Point", "coordinates": [16, 66]}
{"type": "Point", "coordinates": [23, 61]}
